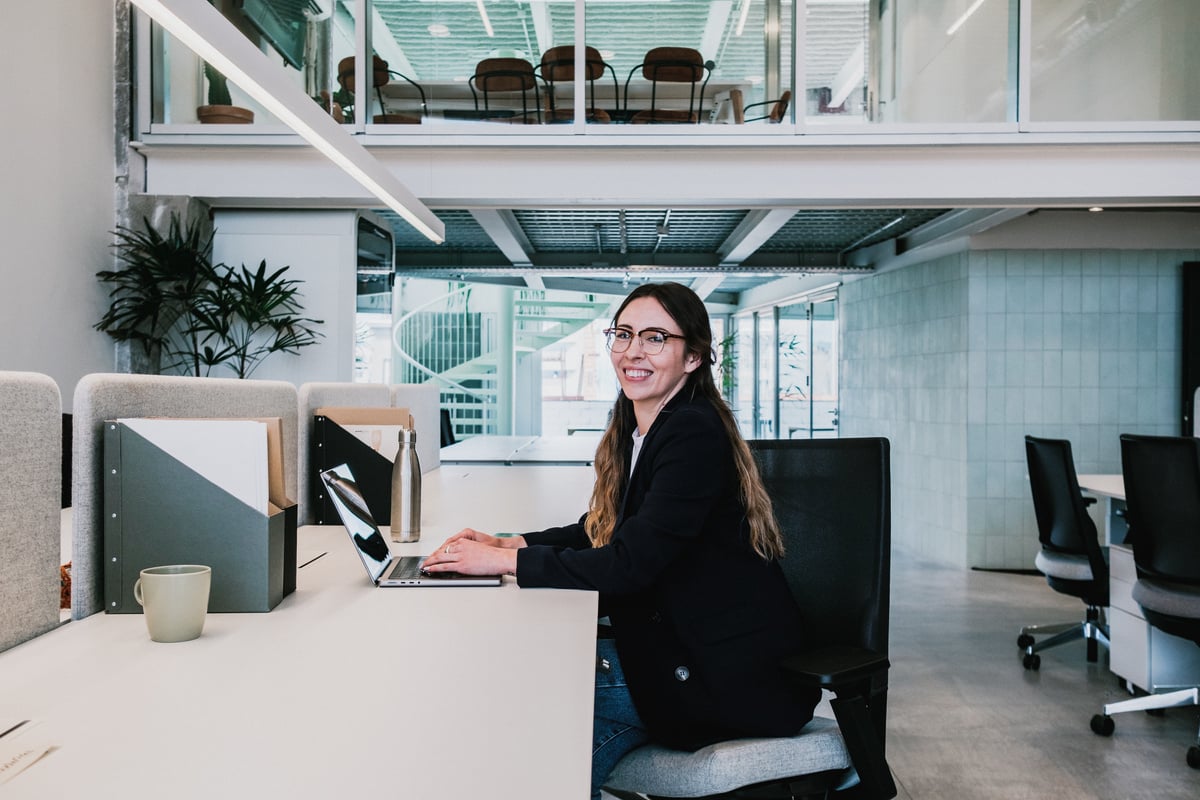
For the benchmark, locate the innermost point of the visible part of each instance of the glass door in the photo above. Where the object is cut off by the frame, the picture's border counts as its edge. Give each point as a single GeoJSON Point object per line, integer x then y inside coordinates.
{"type": "Point", "coordinates": [807, 364]}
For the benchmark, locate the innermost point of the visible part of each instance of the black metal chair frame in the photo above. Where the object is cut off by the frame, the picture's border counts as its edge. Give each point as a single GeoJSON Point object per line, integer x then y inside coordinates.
{"type": "Point", "coordinates": [547, 68]}
{"type": "Point", "coordinates": [704, 68]}
{"type": "Point", "coordinates": [478, 83]}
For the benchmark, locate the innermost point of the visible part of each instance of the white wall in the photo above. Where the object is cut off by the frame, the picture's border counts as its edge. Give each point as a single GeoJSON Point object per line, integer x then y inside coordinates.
{"type": "Point", "coordinates": [320, 249]}
{"type": "Point", "coordinates": [57, 190]}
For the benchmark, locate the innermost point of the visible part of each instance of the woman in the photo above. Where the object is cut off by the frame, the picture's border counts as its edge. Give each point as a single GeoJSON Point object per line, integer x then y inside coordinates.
{"type": "Point", "coordinates": [681, 543]}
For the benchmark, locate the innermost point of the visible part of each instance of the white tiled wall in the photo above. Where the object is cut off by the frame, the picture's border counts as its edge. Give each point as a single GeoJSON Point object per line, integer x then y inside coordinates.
{"type": "Point", "coordinates": [956, 360]}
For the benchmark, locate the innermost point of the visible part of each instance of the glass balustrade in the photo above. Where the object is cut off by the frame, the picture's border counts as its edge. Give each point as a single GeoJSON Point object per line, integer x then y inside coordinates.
{"type": "Point", "coordinates": [699, 67]}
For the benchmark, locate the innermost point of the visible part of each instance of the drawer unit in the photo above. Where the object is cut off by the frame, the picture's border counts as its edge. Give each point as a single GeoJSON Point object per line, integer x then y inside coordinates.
{"type": "Point", "coordinates": [1140, 653]}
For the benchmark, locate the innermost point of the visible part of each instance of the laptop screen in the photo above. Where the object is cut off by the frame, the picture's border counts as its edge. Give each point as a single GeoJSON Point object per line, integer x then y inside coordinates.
{"type": "Point", "coordinates": [352, 508]}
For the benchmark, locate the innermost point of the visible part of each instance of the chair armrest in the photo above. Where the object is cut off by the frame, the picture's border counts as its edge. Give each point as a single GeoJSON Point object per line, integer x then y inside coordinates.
{"type": "Point", "coordinates": [833, 667]}
{"type": "Point", "coordinates": [858, 679]}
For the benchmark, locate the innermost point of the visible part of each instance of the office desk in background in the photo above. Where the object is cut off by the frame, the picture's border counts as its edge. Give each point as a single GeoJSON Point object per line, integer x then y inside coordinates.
{"type": "Point", "coordinates": [343, 690]}
{"type": "Point", "coordinates": [1139, 653]}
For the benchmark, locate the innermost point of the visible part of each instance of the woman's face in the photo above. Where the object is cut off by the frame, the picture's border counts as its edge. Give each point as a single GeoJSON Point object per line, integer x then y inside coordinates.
{"type": "Point", "coordinates": [649, 381]}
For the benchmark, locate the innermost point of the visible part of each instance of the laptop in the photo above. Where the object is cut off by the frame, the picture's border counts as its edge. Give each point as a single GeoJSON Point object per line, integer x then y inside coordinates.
{"type": "Point", "coordinates": [382, 567]}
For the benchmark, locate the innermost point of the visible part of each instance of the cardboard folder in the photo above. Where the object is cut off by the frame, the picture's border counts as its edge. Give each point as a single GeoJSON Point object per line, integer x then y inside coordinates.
{"type": "Point", "coordinates": [190, 492]}
{"type": "Point", "coordinates": [365, 438]}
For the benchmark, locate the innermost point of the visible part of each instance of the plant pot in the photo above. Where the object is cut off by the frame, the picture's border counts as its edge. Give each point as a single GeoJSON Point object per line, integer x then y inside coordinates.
{"type": "Point", "coordinates": [225, 115]}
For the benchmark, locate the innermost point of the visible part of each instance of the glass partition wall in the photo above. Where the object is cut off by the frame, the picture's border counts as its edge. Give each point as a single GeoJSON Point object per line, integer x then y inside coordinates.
{"type": "Point", "coordinates": [864, 65]}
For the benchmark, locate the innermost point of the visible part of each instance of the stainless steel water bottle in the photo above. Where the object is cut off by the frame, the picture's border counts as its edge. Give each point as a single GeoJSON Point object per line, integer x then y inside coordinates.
{"type": "Point", "coordinates": [406, 490]}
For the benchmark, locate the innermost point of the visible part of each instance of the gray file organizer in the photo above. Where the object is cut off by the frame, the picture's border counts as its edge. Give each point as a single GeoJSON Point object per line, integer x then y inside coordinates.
{"type": "Point", "coordinates": [157, 510]}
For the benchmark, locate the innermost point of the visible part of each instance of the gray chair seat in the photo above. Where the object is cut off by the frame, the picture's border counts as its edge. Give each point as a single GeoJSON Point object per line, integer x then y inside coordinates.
{"type": "Point", "coordinates": [1064, 566]}
{"type": "Point", "coordinates": [1165, 597]}
{"type": "Point", "coordinates": [725, 766]}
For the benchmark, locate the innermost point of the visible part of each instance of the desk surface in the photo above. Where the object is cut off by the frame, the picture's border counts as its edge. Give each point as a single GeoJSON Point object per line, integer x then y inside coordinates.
{"type": "Point", "coordinates": [578, 449]}
{"type": "Point", "coordinates": [342, 689]}
{"type": "Point", "coordinates": [1105, 485]}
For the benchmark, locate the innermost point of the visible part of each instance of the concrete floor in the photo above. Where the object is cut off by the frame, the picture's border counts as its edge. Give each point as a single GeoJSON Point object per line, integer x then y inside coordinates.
{"type": "Point", "coordinates": [967, 721]}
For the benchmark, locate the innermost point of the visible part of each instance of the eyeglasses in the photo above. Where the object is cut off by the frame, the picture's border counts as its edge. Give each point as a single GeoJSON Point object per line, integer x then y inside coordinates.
{"type": "Point", "coordinates": [653, 340]}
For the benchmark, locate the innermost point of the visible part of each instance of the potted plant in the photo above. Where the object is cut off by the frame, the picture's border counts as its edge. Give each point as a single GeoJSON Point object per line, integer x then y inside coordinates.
{"type": "Point", "coordinates": [189, 315]}
{"type": "Point", "coordinates": [220, 108]}
{"type": "Point", "coordinates": [154, 291]}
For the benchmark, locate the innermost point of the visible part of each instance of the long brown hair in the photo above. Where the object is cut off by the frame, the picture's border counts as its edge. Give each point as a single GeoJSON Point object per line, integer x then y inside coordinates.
{"type": "Point", "coordinates": [612, 466]}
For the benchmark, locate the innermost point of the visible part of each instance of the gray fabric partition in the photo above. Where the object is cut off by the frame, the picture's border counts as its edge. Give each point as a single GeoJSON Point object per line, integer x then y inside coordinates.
{"type": "Point", "coordinates": [423, 401]}
{"type": "Point", "coordinates": [322, 395]}
{"type": "Point", "coordinates": [30, 515]}
{"type": "Point", "coordinates": [110, 396]}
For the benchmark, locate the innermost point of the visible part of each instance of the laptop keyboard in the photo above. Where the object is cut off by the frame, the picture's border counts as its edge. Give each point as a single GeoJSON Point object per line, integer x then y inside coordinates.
{"type": "Point", "coordinates": [407, 568]}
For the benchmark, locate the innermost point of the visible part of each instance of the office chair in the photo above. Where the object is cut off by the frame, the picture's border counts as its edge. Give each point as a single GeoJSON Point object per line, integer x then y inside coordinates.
{"type": "Point", "coordinates": [506, 75]}
{"type": "Point", "coordinates": [671, 65]}
{"type": "Point", "coordinates": [558, 66]}
{"type": "Point", "coordinates": [831, 497]}
{"type": "Point", "coordinates": [447, 426]}
{"type": "Point", "coordinates": [1162, 496]}
{"type": "Point", "coordinates": [380, 77]}
{"type": "Point", "coordinates": [778, 109]}
{"type": "Point", "coordinates": [1070, 557]}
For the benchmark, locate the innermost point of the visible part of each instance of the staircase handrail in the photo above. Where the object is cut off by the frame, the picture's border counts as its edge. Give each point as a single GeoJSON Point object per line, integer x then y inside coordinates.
{"type": "Point", "coordinates": [403, 354]}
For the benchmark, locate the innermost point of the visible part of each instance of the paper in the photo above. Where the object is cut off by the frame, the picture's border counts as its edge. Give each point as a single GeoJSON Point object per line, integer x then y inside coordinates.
{"type": "Point", "coordinates": [383, 439]}
{"type": "Point", "coordinates": [22, 744]}
{"type": "Point", "coordinates": [229, 453]}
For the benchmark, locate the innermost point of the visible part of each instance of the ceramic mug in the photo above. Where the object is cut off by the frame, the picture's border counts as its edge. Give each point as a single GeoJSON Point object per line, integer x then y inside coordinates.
{"type": "Point", "coordinates": [175, 600]}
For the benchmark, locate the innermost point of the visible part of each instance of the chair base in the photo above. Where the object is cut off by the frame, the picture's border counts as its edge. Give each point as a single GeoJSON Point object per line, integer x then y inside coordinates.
{"type": "Point", "coordinates": [1091, 629]}
{"type": "Point", "coordinates": [1103, 725]}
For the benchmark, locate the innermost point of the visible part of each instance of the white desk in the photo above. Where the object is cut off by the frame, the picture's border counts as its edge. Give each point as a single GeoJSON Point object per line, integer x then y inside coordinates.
{"type": "Point", "coordinates": [340, 691]}
{"type": "Point", "coordinates": [1111, 491]}
{"type": "Point", "coordinates": [578, 450]}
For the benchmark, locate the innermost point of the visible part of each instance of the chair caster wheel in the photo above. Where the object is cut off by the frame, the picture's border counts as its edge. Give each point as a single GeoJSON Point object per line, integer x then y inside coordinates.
{"type": "Point", "coordinates": [1031, 661]}
{"type": "Point", "coordinates": [1103, 725]}
{"type": "Point", "coordinates": [1024, 640]}
{"type": "Point", "coordinates": [1193, 756]}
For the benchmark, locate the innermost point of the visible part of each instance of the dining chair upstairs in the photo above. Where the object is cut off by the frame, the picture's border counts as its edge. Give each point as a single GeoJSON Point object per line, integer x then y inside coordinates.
{"type": "Point", "coordinates": [671, 65]}
{"type": "Point", "coordinates": [558, 66]}
{"type": "Point", "coordinates": [497, 78]}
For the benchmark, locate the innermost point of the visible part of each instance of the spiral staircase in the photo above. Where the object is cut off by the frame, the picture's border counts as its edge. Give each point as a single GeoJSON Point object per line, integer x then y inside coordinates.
{"type": "Point", "coordinates": [457, 340]}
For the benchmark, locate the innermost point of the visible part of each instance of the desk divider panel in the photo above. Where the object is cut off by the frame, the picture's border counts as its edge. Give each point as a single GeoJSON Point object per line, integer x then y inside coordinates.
{"type": "Point", "coordinates": [158, 510]}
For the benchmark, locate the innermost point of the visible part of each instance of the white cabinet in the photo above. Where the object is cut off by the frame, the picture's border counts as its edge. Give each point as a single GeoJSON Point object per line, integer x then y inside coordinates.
{"type": "Point", "coordinates": [1141, 654]}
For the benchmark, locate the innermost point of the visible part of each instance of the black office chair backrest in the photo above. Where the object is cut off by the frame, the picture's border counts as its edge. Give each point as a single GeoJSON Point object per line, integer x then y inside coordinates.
{"type": "Point", "coordinates": [1062, 518]}
{"type": "Point", "coordinates": [1162, 495]}
{"type": "Point", "coordinates": [832, 498]}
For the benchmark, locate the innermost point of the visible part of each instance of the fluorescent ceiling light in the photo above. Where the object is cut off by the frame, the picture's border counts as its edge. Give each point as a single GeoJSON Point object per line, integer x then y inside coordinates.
{"type": "Point", "coordinates": [743, 13]}
{"type": "Point", "coordinates": [483, 16]}
{"type": "Point", "coordinates": [203, 29]}
{"type": "Point", "coordinates": [958, 23]}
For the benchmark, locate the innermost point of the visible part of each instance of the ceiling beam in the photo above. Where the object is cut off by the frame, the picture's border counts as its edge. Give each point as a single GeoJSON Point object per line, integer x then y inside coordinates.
{"type": "Point", "coordinates": [505, 231]}
{"type": "Point", "coordinates": [754, 230]}
{"type": "Point", "coordinates": [707, 284]}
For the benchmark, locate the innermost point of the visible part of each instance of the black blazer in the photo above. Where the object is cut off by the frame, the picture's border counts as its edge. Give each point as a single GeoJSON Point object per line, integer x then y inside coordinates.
{"type": "Point", "coordinates": [700, 620]}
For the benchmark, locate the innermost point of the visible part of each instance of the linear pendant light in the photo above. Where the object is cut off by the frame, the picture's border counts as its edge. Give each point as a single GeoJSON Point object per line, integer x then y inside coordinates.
{"type": "Point", "coordinates": [203, 29]}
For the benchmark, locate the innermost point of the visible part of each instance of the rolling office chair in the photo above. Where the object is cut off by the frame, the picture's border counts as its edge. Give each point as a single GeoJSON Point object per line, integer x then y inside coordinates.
{"type": "Point", "coordinates": [506, 75]}
{"type": "Point", "coordinates": [1070, 557]}
{"type": "Point", "coordinates": [1162, 495]}
{"type": "Point", "coordinates": [558, 66]}
{"type": "Point", "coordinates": [832, 499]}
{"type": "Point", "coordinates": [672, 65]}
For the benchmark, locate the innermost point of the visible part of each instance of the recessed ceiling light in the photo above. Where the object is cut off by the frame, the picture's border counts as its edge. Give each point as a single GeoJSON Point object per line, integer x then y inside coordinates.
{"type": "Point", "coordinates": [607, 55]}
{"type": "Point", "coordinates": [754, 80]}
{"type": "Point", "coordinates": [1096, 208]}
{"type": "Point", "coordinates": [438, 30]}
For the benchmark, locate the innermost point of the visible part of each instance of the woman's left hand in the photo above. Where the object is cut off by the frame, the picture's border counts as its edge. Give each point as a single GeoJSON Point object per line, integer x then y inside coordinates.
{"type": "Point", "coordinates": [470, 557]}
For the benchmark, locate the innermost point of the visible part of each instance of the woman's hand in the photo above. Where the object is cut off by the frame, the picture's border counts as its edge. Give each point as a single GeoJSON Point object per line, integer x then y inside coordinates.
{"type": "Point", "coordinates": [473, 553]}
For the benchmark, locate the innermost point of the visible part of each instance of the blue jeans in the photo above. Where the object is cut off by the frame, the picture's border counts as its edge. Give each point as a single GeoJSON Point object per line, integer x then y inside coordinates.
{"type": "Point", "coordinates": [616, 727]}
